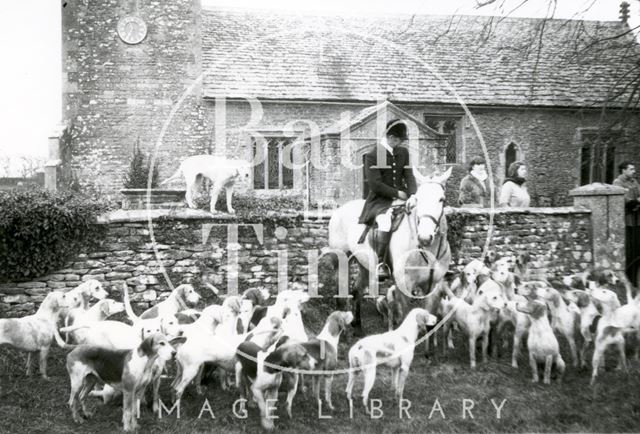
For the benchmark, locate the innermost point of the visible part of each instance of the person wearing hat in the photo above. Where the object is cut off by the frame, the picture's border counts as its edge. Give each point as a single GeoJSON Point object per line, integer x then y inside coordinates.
{"type": "Point", "coordinates": [389, 176]}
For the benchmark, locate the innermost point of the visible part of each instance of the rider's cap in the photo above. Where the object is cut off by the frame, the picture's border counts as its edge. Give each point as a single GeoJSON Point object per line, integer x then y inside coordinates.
{"type": "Point", "coordinates": [397, 128]}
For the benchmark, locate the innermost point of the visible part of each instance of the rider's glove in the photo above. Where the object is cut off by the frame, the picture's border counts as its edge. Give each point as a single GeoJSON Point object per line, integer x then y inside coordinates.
{"type": "Point", "coordinates": [411, 202]}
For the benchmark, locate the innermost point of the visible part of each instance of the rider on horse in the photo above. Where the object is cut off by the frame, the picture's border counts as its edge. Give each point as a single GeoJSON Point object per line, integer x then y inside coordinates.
{"type": "Point", "coordinates": [389, 178]}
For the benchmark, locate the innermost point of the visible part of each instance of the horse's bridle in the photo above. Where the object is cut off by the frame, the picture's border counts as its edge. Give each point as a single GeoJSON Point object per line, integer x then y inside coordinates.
{"type": "Point", "coordinates": [437, 222]}
{"type": "Point", "coordinates": [429, 216]}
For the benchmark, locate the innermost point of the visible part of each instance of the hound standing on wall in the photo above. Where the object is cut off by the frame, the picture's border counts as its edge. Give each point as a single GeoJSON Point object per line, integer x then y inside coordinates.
{"type": "Point", "coordinates": [223, 173]}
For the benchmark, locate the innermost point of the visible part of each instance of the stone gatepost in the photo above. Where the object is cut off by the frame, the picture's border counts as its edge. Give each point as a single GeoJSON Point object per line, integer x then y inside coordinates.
{"type": "Point", "coordinates": [53, 160]}
{"type": "Point", "coordinates": [606, 203]}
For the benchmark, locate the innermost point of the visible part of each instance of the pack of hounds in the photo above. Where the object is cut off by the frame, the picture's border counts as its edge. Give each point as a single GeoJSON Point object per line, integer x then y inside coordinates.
{"type": "Point", "coordinates": [265, 347]}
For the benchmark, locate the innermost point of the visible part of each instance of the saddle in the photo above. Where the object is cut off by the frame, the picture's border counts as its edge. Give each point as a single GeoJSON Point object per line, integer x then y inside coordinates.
{"type": "Point", "coordinates": [397, 214]}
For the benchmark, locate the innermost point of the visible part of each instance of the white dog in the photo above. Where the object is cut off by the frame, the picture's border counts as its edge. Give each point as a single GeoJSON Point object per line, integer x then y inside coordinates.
{"type": "Point", "coordinates": [223, 173]}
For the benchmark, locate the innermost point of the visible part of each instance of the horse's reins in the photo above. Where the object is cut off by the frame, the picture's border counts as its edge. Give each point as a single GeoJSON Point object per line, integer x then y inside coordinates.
{"type": "Point", "coordinates": [413, 224]}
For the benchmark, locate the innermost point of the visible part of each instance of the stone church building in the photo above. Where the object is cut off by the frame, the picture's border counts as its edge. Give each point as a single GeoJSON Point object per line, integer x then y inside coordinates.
{"type": "Point", "coordinates": [265, 86]}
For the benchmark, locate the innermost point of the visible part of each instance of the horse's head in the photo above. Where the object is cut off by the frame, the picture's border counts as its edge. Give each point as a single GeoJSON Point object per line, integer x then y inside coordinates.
{"type": "Point", "coordinates": [429, 207]}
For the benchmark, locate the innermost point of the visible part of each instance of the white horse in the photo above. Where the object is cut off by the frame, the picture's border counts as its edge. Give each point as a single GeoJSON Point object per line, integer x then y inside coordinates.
{"type": "Point", "coordinates": [418, 249]}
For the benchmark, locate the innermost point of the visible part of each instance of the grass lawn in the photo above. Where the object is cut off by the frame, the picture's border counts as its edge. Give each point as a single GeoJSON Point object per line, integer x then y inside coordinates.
{"type": "Point", "coordinates": [35, 405]}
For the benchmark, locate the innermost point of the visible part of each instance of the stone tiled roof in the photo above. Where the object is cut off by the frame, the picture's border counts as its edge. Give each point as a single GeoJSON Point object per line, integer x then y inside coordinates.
{"type": "Point", "coordinates": [364, 115]}
{"type": "Point", "coordinates": [486, 60]}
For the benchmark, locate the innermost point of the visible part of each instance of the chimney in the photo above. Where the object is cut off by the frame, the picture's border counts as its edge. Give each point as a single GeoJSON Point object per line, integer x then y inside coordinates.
{"type": "Point", "coordinates": [624, 12]}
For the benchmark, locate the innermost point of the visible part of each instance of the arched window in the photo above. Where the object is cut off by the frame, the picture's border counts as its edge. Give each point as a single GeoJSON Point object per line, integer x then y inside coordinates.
{"type": "Point", "coordinates": [510, 156]}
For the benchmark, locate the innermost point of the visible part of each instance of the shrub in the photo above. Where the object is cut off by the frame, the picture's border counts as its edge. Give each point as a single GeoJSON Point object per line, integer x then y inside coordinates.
{"type": "Point", "coordinates": [40, 230]}
{"type": "Point", "coordinates": [139, 168]}
{"type": "Point", "coordinates": [250, 204]}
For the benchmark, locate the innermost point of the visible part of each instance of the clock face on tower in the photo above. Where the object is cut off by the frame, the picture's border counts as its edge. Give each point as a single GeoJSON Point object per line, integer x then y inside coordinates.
{"type": "Point", "coordinates": [132, 30]}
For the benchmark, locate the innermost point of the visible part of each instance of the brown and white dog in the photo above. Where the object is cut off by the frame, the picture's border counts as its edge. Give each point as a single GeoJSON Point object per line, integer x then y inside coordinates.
{"type": "Point", "coordinates": [100, 311]}
{"type": "Point", "coordinates": [324, 349]}
{"type": "Point", "coordinates": [129, 371]}
{"type": "Point", "coordinates": [589, 315]}
{"type": "Point", "coordinates": [520, 320]}
{"type": "Point", "coordinates": [91, 289]}
{"type": "Point", "coordinates": [288, 358]}
{"type": "Point", "coordinates": [616, 321]}
{"type": "Point", "coordinates": [393, 349]}
{"type": "Point", "coordinates": [36, 332]}
{"type": "Point", "coordinates": [542, 343]}
{"type": "Point", "coordinates": [475, 319]}
{"type": "Point", "coordinates": [521, 267]}
{"type": "Point", "coordinates": [564, 320]}
{"type": "Point", "coordinates": [181, 298]}
{"type": "Point", "coordinates": [392, 307]}
{"type": "Point", "coordinates": [88, 290]}
{"type": "Point", "coordinates": [117, 335]}
{"type": "Point", "coordinates": [465, 285]}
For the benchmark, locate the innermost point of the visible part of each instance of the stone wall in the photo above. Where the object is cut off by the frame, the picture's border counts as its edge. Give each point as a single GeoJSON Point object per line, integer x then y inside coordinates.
{"type": "Point", "coordinates": [115, 94]}
{"type": "Point", "coordinates": [558, 239]}
{"type": "Point", "coordinates": [194, 247]}
{"type": "Point", "coordinates": [548, 141]}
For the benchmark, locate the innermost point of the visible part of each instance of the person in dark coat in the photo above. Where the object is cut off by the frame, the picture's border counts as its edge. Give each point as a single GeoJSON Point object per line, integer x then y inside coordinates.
{"type": "Point", "coordinates": [627, 180]}
{"type": "Point", "coordinates": [389, 176]}
{"type": "Point", "coordinates": [474, 188]}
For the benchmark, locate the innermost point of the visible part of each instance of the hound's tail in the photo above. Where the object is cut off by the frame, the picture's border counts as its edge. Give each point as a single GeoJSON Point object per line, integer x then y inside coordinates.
{"type": "Point", "coordinates": [61, 343]}
{"type": "Point", "coordinates": [213, 289]}
{"type": "Point", "coordinates": [628, 288]}
{"type": "Point", "coordinates": [174, 176]}
{"type": "Point", "coordinates": [127, 304]}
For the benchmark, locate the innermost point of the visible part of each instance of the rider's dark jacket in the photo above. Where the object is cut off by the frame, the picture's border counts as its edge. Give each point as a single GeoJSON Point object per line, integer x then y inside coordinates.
{"type": "Point", "coordinates": [385, 180]}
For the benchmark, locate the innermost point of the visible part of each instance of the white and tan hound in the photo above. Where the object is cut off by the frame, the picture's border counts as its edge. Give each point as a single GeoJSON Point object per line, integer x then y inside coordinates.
{"type": "Point", "coordinates": [269, 374]}
{"type": "Point", "coordinates": [542, 343]}
{"type": "Point", "coordinates": [100, 311]}
{"type": "Point", "coordinates": [392, 349]}
{"type": "Point", "coordinates": [392, 307]}
{"type": "Point", "coordinates": [616, 321]}
{"type": "Point", "coordinates": [324, 349]}
{"type": "Point", "coordinates": [564, 320]}
{"type": "Point", "coordinates": [129, 371]}
{"type": "Point", "coordinates": [36, 332]}
{"type": "Point", "coordinates": [181, 298]}
{"type": "Point", "coordinates": [475, 319]}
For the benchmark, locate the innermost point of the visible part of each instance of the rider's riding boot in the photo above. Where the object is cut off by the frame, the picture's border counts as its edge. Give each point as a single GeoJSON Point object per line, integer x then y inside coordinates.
{"type": "Point", "coordinates": [382, 241]}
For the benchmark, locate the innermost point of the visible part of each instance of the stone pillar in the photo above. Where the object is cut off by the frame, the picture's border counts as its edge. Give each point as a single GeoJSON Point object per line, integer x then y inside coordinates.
{"type": "Point", "coordinates": [53, 160]}
{"type": "Point", "coordinates": [606, 203]}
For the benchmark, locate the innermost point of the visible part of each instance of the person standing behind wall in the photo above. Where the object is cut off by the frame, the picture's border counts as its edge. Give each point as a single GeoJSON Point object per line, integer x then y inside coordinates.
{"type": "Point", "coordinates": [474, 188]}
{"type": "Point", "coordinates": [627, 181]}
{"type": "Point", "coordinates": [514, 190]}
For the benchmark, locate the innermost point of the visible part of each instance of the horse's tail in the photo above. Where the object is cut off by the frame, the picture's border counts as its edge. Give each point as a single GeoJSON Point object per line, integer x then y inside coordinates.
{"type": "Point", "coordinates": [334, 228]}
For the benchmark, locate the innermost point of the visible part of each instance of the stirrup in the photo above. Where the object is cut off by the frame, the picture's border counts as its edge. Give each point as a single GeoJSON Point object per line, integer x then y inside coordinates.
{"type": "Point", "coordinates": [382, 271]}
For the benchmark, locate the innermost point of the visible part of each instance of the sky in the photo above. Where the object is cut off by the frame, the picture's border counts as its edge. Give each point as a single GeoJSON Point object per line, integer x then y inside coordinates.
{"type": "Point", "coordinates": [30, 47]}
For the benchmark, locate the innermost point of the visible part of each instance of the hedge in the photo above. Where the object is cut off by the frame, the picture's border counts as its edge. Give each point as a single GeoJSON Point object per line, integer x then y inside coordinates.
{"type": "Point", "coordinates": [40, 231]}
{"type": "Point", "coordinates": [249, 204]}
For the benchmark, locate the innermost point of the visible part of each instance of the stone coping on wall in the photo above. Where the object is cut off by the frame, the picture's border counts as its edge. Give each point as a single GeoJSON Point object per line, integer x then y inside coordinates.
{"type": "Point", "coordinates": [532, 210]}
{"type": "Point", "coordinates": [597, 189]}
{"type": "Point", "coordinates": [143, 215]}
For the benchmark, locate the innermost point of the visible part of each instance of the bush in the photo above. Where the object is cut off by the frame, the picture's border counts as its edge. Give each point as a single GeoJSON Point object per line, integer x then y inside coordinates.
{"type": "Point", "coordinates": [138, 174]}
{"type": "Point", "coordinates": [250, 204]}
{"type": "Point", "coordinates": [40, 231]}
